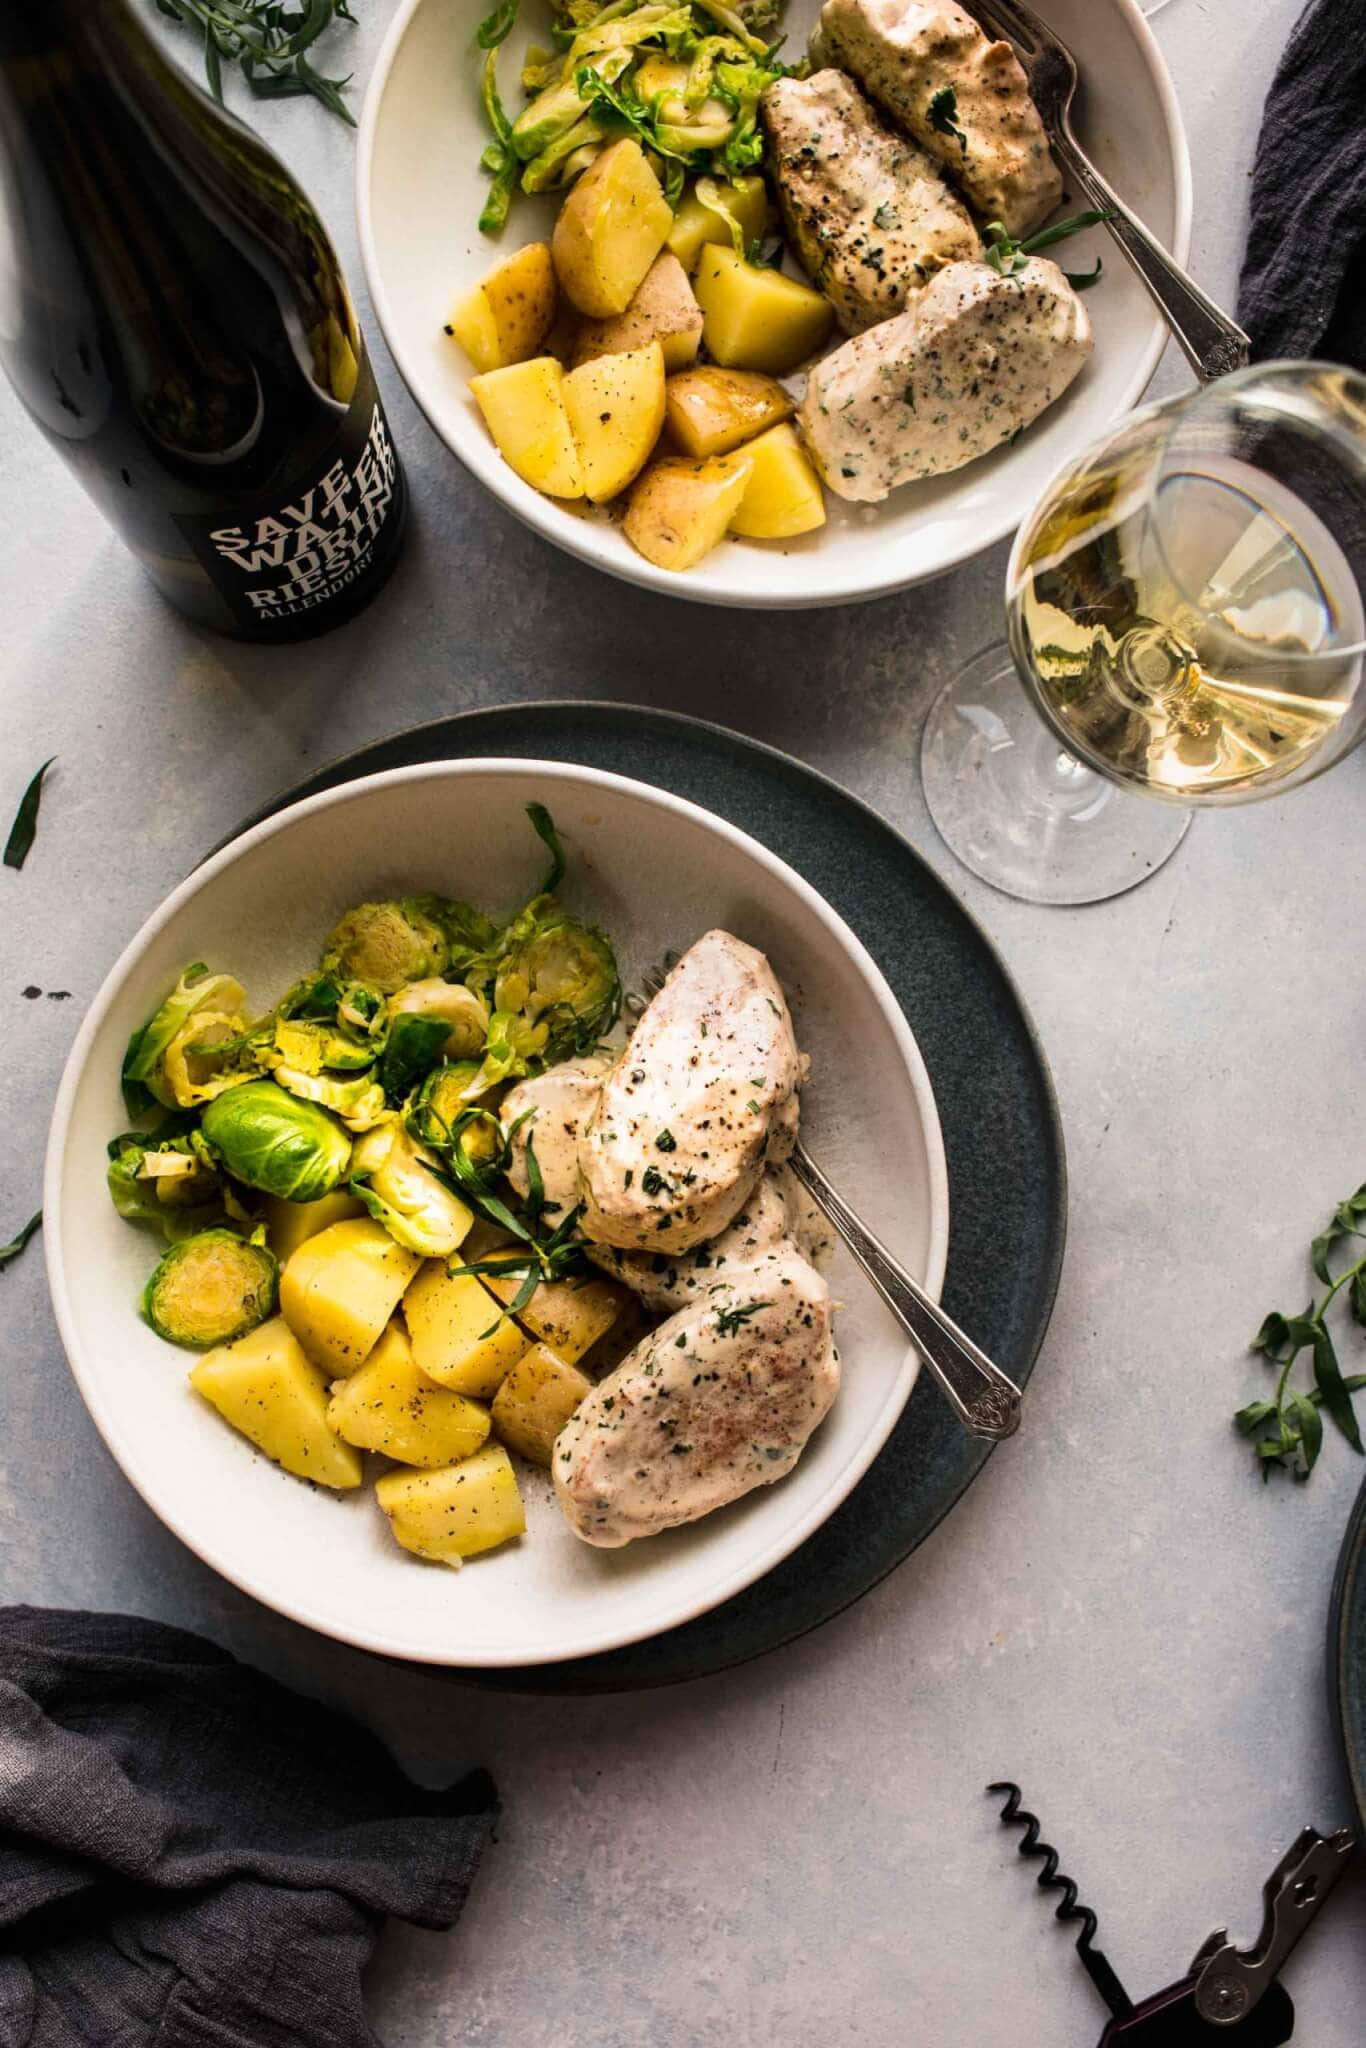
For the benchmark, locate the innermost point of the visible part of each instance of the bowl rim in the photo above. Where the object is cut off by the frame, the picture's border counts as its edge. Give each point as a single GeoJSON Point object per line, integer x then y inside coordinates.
{"type": "Point", "coordinates": [89, 1380]}
{"type": "Point", "coordinates": [586, 541]}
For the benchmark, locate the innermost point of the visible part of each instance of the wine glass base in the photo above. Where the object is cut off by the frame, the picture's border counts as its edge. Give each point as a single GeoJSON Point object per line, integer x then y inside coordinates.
{"type": "Point", "coordinates": [1019, 811]}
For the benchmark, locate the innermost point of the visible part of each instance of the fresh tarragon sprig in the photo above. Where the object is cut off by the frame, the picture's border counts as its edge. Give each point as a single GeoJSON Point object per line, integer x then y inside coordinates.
{"type": "Point", "coordinates": [268, 40]}
{"type": "Point", "coordinates": [1291, 1422]}
{"type": "Point", "coordinates": [1009, 257]}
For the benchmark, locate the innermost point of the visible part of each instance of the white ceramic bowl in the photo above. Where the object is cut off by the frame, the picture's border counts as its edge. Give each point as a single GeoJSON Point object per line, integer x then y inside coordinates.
{"type": "Point", "coordinates": [419, 191]}
{"type": "Point", "coordinates": [656, 872]}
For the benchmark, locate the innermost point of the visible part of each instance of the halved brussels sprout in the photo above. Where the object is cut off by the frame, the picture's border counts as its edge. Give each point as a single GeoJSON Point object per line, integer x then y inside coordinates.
{"type": "Point", "coordinates": [144, 1064]}
{"type": "Point", "coordinates": [386, 944]}
{"type": "Point", "coordinates": [390, 1174]}
{"type": "Point", "coordinates": [212, 1288]}
{"type": "Point", "coordinates": [459, 1007]}
{"type": "Point", "coordinates": [310, 1047]}
{"type": "Point", "coordinates": [560, 977]}
{"type": "Point", "coordinates": [273, 1141]}
{"type": "Point", "coordinates": [439, 1104]}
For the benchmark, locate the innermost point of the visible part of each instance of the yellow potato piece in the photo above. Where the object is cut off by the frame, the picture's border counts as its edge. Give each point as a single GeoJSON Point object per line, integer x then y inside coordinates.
{"type": "Point", "coordinates": [264, 1386]}
{"type": "Point", "coordinates": [695, 225]}
{"type": "Point", "coordinates": [709, 411]}
{"type": "Point", "coordinates": [615, 406]}
{"type": "Point", "coordinates": [610, 229]}
{"type": "Point", "coordinates": [288, 1224]}
{"type": "Point", "coordinates": [339, 1289]}
{"type": "Point", "coordinates": [390, 1406]}
{"type": "Point", "coordinates": [755, 319]}
{"type": "Point", "coordinates": [507, 317]}
{"type": "Point", "coordinates": [680, 509]}
{"type": "Point", "coordinates": [568, 1315]}
{"type": "Point", "coordinates": [456, 1512]}
{"type": "Point", "coordinates": [783, 496]}
{"type": "Point", "coordinates": [663, 310]}
{"type": "Point", "coordinates": [535, 1401]}
{"type": "Point", "coordinates": [459, 1334]}
{"type": "Point", "coordinates": [523, 408]}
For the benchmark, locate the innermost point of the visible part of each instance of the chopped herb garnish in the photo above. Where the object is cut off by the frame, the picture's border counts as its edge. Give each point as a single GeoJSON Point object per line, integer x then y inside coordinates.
{"type": "Point", "coordinates": [943, 115]}
{"type": "Point", "coordinates": [651, 1181]}
{"type": "Point", "coordinates": [729, 1321]}
{"type": "Point", "coordinates": [666, 1142]}
{"type": "Point", "coordinates": [886, 216]}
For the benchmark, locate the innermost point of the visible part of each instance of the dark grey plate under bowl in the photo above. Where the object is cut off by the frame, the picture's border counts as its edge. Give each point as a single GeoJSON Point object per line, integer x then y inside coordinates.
{"type": "Point", "coordinates": [1007, 1179]}
{"type": "Point", "coordinates": [1347, 1652]}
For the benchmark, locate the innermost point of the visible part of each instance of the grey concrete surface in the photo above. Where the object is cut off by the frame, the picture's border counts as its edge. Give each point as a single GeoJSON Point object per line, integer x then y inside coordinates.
{"type": "Point", "coordinates": [1117, 1614]}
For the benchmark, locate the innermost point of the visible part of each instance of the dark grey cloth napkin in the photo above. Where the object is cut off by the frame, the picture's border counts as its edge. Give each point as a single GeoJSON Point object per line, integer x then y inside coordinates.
{"type": "Point", "coordinates": [193, 1857]}
{"type": "Point", "coordinates": [1303, 289]}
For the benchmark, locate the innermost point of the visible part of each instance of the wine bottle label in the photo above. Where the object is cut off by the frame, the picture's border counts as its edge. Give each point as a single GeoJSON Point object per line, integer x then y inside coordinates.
{"type": "Point", "coordinates": [296, 551]}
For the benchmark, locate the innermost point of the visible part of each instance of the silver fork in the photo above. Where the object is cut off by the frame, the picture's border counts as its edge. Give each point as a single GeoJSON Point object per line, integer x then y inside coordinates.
{"type": "Point", "coordinates": [984, 1400]}
{"type": "Point", "coordinates": [1212, 342]}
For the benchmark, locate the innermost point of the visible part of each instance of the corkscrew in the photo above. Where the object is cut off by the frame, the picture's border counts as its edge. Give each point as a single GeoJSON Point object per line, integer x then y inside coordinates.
{"type": "Point", "coordinates": [1226, 1988]}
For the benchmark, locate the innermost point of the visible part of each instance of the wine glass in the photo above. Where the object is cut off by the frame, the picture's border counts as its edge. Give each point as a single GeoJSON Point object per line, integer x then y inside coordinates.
{"type": "Point", "coordinates": [1185, 610]}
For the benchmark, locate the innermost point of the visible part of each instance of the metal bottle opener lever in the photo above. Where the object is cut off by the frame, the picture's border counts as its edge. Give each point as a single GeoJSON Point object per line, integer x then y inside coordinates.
{"type": "Point", "coordinates": [1228, 1991]}
{"type": "Point", "coordinates": [1229, 1983]}
{"type": "Point", "coordinates": [1234, 1992]}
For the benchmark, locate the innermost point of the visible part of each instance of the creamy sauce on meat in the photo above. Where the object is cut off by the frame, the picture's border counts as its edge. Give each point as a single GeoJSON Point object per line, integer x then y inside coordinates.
{"type": "Point", "coordinates": [964, 98]}
{"type": "Point", "coordinates": [561, 1101]}
{"type": "Point", "coordinates": [867, 212]}
{"type": "Point", "coordinates": [974, 358]}
{"type": "Point", "coordinates": [720, 1399]}
{"type": "Point", "coordinates": [705, 1089]}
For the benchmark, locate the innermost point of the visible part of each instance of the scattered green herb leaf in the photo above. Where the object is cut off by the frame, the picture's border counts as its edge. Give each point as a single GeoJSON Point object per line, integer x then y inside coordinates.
{"type": "Point", "coordinates": [12, 1250]}
{"type": "Point", "coordinates": [729, 1321]}
{"type": "Point", "coordinates": [25, 826]}
{"type": "Point", "coordinates": [944, 115]}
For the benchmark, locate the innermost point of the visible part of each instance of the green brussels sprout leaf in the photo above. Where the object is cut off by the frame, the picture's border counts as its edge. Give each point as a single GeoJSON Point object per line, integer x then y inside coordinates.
{"type": "Point", "coordinates": [273, 1141]}
{"type": "Point", "coordinates": [414, 1046]}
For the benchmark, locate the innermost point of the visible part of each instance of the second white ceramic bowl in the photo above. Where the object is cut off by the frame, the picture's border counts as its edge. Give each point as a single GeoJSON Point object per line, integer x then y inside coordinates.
{"type": "Point", "coordinates": [656, 872]}
{"type": "Point", "coordinates": [419, 190]}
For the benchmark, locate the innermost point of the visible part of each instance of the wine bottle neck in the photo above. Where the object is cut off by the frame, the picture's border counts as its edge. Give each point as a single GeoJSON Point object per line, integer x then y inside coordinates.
{"type": "Point", "coordinates": [103, 28]}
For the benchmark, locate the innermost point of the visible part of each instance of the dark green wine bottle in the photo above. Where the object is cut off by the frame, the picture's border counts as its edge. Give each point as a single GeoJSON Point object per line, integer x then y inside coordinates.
{"type": "Point", "coordinates": [174, 318]}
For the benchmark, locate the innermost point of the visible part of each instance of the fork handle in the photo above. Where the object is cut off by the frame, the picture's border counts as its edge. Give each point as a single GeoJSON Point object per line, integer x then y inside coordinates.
{"type": "Point", "coordinates": [1213, 343]}
{"type": "Point", "coordinates": [983, 1399]}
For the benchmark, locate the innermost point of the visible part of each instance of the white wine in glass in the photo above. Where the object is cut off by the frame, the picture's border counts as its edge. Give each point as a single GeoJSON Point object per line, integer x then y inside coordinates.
{"type": "Point", "coordinates": [1185, 605]}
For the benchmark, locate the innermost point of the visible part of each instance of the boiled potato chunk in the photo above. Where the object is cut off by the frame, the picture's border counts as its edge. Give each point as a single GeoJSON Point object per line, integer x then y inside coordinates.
{"type": "Point", "coordinates": [390, 1406]}
{"type": "Point", "coordinates": [610, 230]}
{"type": "Point", "coordinates": [756, 319]}
{"type": "Point", "coordinates": [264, 1386]}
{"type": "Point", "coordinates": [663, 310]}
{"type": "Point", "coordinates": [695, 225]}
{"type": "Point", "coordinates": [680, 509]}
{"type": "Point", "coordinates": [523, 408]}
{"type": "Point", "coordinates": [339, 1289]}
{"type": "Point", "coordinates": [455, 1512]}
{"type": "Point", "coordinates": [507, 317]}
{"type": "Point", "coordinates": [459, 1334]}
{"type": "Point", "coordinates": [568, 1315]}
{"type": "Point", "coordinates": [710, 411]}
{"type": "Point", "coordinates": [615, 406]}
{"type": "Point", "coordinates": [535, 1401]}
{"type": "Point", "coordinates": [288, 1224]}
{"type": "Point", "coordinates": [783, 496]}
